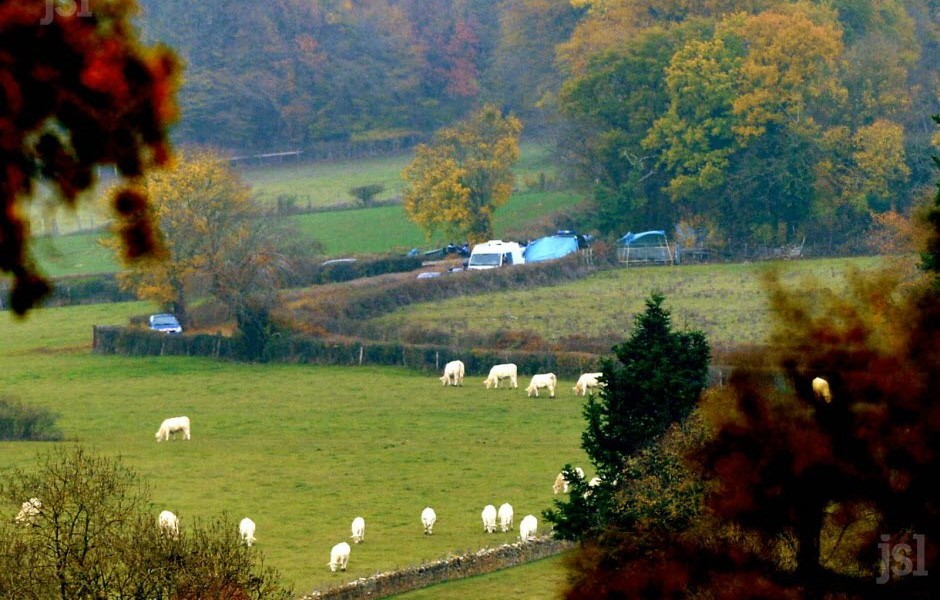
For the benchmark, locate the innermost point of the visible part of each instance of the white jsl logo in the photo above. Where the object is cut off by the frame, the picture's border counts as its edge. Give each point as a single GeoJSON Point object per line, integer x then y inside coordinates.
{"type": "Point", "coordinates": [896, 558]}
{"type": "Point", "coordinates": [64, 8]}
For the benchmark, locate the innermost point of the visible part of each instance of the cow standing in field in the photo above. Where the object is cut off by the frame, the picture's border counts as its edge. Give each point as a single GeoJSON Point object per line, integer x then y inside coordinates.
{"type": "Point", "coordinates": [586, 382]}
{"type": "Point", "coordinates": [453, 373]}
{"type": "Point", "coordinates": [542, 380]}
{"type": "Point", "coordinates": [500, 372]}
{"type": "Point", "coordinates": [171, 426]}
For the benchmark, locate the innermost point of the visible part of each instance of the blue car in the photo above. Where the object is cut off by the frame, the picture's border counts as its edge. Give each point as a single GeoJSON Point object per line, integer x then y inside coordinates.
{"type": "Point", "coordinates": [165, 323]}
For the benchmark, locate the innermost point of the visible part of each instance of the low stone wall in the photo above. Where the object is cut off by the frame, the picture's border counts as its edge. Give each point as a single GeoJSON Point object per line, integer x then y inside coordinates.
{"type": "Point", "coordinates": [483, 561]}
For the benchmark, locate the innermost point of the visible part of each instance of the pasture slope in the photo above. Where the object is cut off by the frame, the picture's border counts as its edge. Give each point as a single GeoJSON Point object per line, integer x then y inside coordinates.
{"type": "Point", "coordinates": [300, 449]}
{"type": "Point", "coordinates": [725, 300]}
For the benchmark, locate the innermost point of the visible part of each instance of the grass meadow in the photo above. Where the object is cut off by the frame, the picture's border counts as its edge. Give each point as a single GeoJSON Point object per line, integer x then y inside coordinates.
{"type": "Point", "coordinates": [300, 449]}
{"type": "Point", "coordinates": [326, 183]}
{"type": "Point", "coordinates": [725, 301]}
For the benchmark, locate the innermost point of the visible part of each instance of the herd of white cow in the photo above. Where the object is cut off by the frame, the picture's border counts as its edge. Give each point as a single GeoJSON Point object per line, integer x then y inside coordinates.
{"type": "Point", "coordinates": [454, 373]}
{"type": "Point", "coordinates": [168, 523]}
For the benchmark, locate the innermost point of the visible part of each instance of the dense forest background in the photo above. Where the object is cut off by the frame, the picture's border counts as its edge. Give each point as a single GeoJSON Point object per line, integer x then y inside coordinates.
{"type": "Point", "coordinates": [763, 121]}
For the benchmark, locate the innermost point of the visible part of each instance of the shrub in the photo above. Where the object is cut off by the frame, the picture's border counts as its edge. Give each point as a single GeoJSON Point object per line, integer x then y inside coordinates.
{"type": "Point", "coordinates": [366, 193]}
{"type": "Point", "coordinates": [22, 423]}
{"type": "Point", "coordinates": [94, 539]}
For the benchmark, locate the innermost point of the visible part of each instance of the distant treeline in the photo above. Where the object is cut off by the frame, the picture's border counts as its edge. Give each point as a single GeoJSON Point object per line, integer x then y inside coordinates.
{"type": "Point", "coordinates": [732, 122]}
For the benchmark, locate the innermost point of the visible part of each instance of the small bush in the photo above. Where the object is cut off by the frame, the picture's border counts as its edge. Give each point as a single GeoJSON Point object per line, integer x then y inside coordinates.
{"type": "Point", "coordinates": [23, 423]}
{"type": "Point", "coordinates": [366, 193]}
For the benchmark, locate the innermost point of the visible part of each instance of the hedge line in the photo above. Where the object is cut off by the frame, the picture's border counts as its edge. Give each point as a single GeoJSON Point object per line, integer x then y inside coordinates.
{"type": "Point", "coordinates": [102, 288]}
{"type": "Point", "coordinates": [79, 289]}
{"type": "Point", "coordinates": [315, 273]}
{"type": "Point", "coordinates": [484, 561]}
{"type": "Point", "coordinates": [313, 350]}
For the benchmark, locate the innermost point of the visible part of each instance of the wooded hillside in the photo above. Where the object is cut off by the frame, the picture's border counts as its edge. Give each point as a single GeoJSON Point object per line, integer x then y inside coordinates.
{"type": "Point", "coordinates": [739, 121]}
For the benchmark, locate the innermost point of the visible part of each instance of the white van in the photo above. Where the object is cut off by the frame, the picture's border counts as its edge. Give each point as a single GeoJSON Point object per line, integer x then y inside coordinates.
{"type": "Point", "coordinates": [495, 253]}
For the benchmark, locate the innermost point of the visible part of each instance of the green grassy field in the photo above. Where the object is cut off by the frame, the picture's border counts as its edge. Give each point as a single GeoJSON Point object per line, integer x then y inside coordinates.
{"type": "Point", "coordinates": [723, 300]}
{"type": "Point", "coordinates": [300, 449]}
{"type": "Point", "coordinates": [325, 183]}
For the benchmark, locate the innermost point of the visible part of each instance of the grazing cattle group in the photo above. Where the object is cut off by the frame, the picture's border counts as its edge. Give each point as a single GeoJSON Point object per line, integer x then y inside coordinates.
{"type": "Point", "coordinates": [508, 374]}
{"type": "Point", "coordinates": [454, 371]}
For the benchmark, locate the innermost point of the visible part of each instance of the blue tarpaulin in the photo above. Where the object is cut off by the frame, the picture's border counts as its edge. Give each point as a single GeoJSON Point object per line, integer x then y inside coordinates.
{"type": "Point", "coordinates": [551, 247]}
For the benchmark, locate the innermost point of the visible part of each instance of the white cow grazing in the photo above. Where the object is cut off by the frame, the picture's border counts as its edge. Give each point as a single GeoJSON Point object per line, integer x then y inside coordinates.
{"type": "Point", "coordinates": [246, 531]}
{"type": "Point", "coordinates": [358, 530]}
{"type": "Point", "coordinates": [171, 426]}
{"type": "Point", "coordinates": [542, 380]}
{"type": "Point", "coordinates": [821, 389]}
{"type": "Point", "coordinates": [504, 371]}
{"type": "Point", "coordinates": [594, 482]}
{"type": "Point", "coordinates": [339, 557]}
{"type": "Point", "coordinates": [169, 524]}
{"type": "Point", "coordinates": [29, 512]}
{"type": "Point", "coordinates": [528, 527]}
{"type": "Point", "coordinates": [489, 518]}
{"type": "Point", "coordinates": [505, 516]}
{"type": "Point", "coordinates": [428, 518]}
{"type": "Point", "coordinates": [587, 381]}
{"type": "Point", "coordinates": [561, 484]}
{"type": "Point", "coordinates": [453, 373]}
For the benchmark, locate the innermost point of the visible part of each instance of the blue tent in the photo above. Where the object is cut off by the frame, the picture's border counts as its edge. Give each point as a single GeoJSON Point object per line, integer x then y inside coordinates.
{"type": "Point", "coordinates": [647, 238]}
{"type": "Point", "coordinates": [551, 247]}
{"type": "Point", "coordinates": [647, 246]}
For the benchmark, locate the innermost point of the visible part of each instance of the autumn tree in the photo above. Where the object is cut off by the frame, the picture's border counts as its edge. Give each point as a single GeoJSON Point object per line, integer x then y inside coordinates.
{"type": "Point", "coordinates": [463, 176]}
{"type": "Point", "coordinates": [218, 240]}
{"type": "Point", "coordinates": [652, 383]}
{"type": "Point", "coordinates": [96, 537]}
{"type": "Point", "coordinates": [76, 91]}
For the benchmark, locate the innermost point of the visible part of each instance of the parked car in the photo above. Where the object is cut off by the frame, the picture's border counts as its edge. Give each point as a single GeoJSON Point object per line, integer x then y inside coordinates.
{"type": "Point", "coordinates": [165, 323]}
